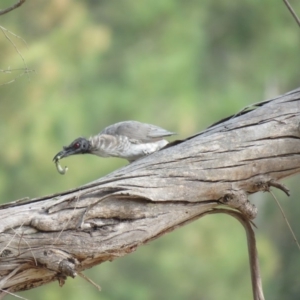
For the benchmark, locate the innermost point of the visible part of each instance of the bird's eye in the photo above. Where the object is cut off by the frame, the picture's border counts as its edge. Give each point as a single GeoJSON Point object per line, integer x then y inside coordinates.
{"type": "Point", "coordinates": [77, 145]}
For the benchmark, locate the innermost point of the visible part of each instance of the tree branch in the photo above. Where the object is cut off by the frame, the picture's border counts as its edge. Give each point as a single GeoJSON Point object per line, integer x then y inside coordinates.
{"type": "Point", "coordinates": [289, 7]}
{"type": "Point", "coordinates": [56, 236]}
{"type": "Point", "coordinates": [252, 251]}
{"type": "Point", "coordinates": [16, 5]}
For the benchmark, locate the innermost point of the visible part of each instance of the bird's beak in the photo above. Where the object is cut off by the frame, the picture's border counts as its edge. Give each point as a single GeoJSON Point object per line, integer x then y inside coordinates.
{"type": "Point", "coordinates": [64, 153]}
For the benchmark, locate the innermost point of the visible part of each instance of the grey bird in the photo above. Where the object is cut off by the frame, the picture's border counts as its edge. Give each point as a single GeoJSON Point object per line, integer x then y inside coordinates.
{"type": "Point", "coordinates": [130, 140]}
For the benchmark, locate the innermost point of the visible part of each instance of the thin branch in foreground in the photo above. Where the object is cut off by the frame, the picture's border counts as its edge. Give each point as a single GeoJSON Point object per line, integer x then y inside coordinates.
{"type": "Point", "coordinates": [286, 220]}
{"type": "Point", "coordinates": [6, 292]}
{"type": "Point", "coordinates": [97, 286]}
{"type": "Point", "coordinates": [6, 32]}
{"type": "Point", "coordinates": [292, 11]}
{"type": "Point", "coordinates": [13, 34]}
{"type": "Point", "coordinates": [8, 71]}
{"type": "Point", "coordinates": [16, 5]}
{"type": "Point", "coordinates": [253, 257]}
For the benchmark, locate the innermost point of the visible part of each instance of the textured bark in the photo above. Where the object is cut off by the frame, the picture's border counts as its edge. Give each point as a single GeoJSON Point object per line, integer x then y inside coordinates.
{"type": "Point", "coordinates": [60, 235]}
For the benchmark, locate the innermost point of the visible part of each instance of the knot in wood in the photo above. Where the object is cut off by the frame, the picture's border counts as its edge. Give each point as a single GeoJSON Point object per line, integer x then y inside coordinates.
{"type": "Point", "coordinates": [48, 252]}
{"type": "Point", "coordinates": [238, 199]}
{"type": "Point", "coordinates": [263, 186]}
{"type": "Point", "coordinates": [5, 253]}
{"type": "Point", "coordinates": [67, 268]}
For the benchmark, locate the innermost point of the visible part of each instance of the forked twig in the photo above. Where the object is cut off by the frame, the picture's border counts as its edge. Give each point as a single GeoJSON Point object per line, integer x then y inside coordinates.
{"type": "Point", "coordinates": [5, 31]}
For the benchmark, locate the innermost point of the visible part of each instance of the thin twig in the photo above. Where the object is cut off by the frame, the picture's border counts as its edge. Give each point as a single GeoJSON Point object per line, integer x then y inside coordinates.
{"type": "Point", "coordinates": [6, 33]}
{"type": "Point", "coordinates": [7, 10]}
{"type": "Point", "coordinates": [15, 234]}
{"type": "Point", "coordinates": [5, 292]}
{"type": "Point", "coordinates": [90, 206]}
{"type": "Point", "coordinates": [12, 273]}
{"type": "Point", "coordinates": [286, 220]}
{"type": "Point", "coordinates": [22, 238]}
{"type": "Point", "coordinates": [15, 35]}
{"type": "Point", "coordinates": [25, 71]}
{"type": "Point", "coordinates": [4, 30]}
{"type": "Point", "coordinates": [280, 187]}
{"type": "Point", "coordinates": [98, 287]}
{"type": "Point", "coordinates": [9, 70]}
{"type": "Point", "coordinates": [292, 11]}
{"type": "Point", "coordinates": [253, 257]}
{"type": "Point", "coordinates": [69, 220]}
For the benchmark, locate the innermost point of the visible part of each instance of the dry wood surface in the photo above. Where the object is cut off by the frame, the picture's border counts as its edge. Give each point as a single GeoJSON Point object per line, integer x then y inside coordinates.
{"type": "Point", "coordinates": [56, 236]}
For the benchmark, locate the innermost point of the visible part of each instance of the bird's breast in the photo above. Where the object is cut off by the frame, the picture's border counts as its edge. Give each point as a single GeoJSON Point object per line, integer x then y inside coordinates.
{"type": "Point", "coordinates": [120, 146]}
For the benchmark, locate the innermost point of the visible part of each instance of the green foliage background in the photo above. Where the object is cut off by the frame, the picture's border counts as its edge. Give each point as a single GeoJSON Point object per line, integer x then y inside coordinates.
{"type": "Point", "coordinates": [179, 64]}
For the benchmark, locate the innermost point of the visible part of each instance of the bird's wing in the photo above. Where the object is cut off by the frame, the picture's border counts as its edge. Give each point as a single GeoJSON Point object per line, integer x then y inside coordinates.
{"type": "Point", "coordinates": [137, 131]}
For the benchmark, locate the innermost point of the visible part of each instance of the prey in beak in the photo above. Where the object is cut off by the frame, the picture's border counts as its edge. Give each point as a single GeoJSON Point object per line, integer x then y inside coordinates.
{"type": "Point", "coordinates": [78, 146]}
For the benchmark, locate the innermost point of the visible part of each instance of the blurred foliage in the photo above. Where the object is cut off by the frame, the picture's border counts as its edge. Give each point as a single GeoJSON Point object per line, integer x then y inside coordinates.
{"type": "Point", "coordinates": [179, 64]}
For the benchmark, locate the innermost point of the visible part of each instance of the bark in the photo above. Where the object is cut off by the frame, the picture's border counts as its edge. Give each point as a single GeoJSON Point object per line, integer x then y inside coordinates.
{"type": "Point", "coordinates": [60, 235]}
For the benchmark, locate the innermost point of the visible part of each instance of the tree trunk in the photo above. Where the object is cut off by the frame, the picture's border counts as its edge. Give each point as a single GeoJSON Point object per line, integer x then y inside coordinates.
{"type": "Point", "coordinates": [60, 235]}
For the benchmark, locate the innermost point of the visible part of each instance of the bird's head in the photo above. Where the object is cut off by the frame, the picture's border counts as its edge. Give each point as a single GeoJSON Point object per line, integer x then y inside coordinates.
{"type": "Point", "coordinates": [78, 146]}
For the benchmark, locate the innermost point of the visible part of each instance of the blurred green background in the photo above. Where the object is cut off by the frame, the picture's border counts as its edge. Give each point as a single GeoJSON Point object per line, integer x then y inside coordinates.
{"type": "Point", "coordinates": [178, 64]}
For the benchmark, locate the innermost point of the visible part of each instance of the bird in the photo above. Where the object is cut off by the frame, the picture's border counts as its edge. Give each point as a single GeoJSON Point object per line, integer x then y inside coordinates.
{"type": "Point", "coordinates": [130, 140]}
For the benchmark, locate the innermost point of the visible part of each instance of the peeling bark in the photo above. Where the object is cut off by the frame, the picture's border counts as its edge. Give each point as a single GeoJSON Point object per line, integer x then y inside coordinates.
{"type": "Point", "coordinates": [56, 236]}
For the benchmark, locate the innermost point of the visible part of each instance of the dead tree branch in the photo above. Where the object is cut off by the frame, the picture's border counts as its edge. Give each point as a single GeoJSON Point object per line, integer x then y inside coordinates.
{"type": "Point", "coordinates": [53, 237]}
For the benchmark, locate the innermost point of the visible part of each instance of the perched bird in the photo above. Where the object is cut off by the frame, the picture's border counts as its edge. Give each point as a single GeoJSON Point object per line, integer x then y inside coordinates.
{"type": "Point", "coordinates": [130, 140]}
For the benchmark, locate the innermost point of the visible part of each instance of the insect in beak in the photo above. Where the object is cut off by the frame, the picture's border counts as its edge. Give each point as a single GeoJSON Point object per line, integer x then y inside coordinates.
{"type": "Point", "coordinates": [59, 168]}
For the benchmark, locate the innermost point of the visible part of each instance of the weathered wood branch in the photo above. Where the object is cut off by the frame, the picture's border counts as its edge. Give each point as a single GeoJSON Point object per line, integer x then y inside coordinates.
{"type": "Point", "coordinates": [60, 235]}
